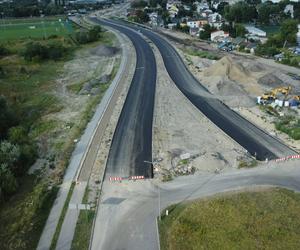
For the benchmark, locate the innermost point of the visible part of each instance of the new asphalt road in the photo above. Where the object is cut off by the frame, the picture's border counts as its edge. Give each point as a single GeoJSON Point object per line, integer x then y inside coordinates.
{"type": "Point", "coordinates": [257, 142]}
{"type": "Point", "coordinates": [132, 140]}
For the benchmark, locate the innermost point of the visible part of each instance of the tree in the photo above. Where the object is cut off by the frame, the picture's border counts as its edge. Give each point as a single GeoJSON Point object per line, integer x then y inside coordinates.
{"type": "Point", "coordinates": [288, 30]}
{"type": "Point", "coordinates": [240, 30]}
{"type": "Point", "coordinates": [266, 10]}
{"type": "Point", "coordinates": [221, 7]}
{"type": "Point", "coordinates": [205, 34]}
{"type": "Point", "coordinates": [7, 117]}
{"type": "Point", "coordinates": [139, 4]}
{"type": "Point", "coordinates": [240, 12]}
{"type": "Point", "coordinates": [141, 17]}
{"type": "Point", "coordinates": [9, 153]}
{"type": "Point", "coordinates": [8, 183]}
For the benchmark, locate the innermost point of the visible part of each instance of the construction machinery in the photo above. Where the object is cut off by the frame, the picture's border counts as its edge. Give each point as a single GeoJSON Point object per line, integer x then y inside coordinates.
{"type": "Point", "coordinates": [271, 96]}
{"type": "Point", "coordinates": [283, 90]}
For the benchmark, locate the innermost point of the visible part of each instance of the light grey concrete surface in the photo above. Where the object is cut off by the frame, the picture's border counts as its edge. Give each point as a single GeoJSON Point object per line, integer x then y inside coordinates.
{"type": "Point", "coordinates": [127, 212]}
{"type": "Point", "coordinates": [77, 160]}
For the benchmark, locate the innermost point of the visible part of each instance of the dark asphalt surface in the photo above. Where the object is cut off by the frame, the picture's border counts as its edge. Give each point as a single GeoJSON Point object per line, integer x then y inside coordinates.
{"type": "Point", "coordinates": [132, 140]}
{"type": "Point", "coordinates": [253, 139]}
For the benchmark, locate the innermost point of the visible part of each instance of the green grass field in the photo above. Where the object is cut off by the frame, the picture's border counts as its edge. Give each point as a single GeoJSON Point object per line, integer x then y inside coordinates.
{"type": "Point", "coordinates": [34, 28]}
{"type": "Point", "coordinates": [267, 219]}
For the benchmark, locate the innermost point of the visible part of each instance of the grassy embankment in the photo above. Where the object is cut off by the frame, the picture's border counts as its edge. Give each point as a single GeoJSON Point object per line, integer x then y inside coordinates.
{"type": "Point", "coordinates": [28, 86]}
{"type": "Point", "coordinates": [250, 220]}
{"type": "Point", "coordinates": [202, 54]}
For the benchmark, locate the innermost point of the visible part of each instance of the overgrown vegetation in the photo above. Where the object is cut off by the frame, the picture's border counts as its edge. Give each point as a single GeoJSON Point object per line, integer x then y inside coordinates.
{"type": "Point", "coordinates": [250, 220]}
{"type": "Point", "coordinates": [247, 164]}
{"type": "Point", "coordinates": [202, 54]}
{"type": "Point", "coordinates": [28, 70]}
{"type": "Point", "coordinates": [289, 125]}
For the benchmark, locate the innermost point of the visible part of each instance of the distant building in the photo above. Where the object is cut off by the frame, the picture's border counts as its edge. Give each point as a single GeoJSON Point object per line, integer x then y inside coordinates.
{"type": "Point", "coordinates": [255, 31]}
{"type": "Point", "coordinates": [194, 31]}
{"type": "Point", "coordinates": [289, 10]}
{"type": "Point", "coordinates": [298, 36]}
{"type": "Point", "coordinates": [218, 36]}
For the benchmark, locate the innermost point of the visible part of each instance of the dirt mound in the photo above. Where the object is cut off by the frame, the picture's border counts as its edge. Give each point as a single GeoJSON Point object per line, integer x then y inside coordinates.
{"type": "Point", "coordinates": [104, 50]}
{"type": "Point", "coordinates": [270, 80]}
{"type": "Point", "coordinates": [226, 67]}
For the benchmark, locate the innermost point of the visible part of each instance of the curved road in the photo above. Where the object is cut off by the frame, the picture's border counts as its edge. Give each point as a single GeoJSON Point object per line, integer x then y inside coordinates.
{"type": "Point", "coordinates": [253, 139]}
{"type": "Point", "coordinates": [132, 140]}
{"type": "Point", "coordinates": [127, 213]}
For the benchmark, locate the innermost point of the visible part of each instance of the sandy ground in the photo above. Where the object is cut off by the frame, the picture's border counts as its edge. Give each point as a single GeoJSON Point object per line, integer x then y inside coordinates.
{"type": "Point", "coordinates": [89, 68]}
{"type": "Point", "coordinates": [180, 128]}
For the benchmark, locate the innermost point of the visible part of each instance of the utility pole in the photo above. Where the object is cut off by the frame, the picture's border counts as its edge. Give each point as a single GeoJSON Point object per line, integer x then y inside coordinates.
{"type": "Point", "coordinates": [158, 188]}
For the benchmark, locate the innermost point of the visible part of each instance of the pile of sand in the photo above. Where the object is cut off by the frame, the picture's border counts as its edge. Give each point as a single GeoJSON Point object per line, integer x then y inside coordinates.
{"type": "Point", "coordinates": [226, 67]}
{"type": "Point", "coordinates": [270, 80]}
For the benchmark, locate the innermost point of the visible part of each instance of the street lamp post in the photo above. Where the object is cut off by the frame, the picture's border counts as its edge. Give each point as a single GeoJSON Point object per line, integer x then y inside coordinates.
{"type": "Point", "coordinates": [158, 188]}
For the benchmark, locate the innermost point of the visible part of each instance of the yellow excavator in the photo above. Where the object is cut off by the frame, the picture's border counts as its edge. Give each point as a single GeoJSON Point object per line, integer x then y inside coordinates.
{"type": "Point", "coordinates": [271, 96]}
{"type": "Point", "coordinates": [283, 90]}
{"type": "Point", "coordinates": [296, 97]}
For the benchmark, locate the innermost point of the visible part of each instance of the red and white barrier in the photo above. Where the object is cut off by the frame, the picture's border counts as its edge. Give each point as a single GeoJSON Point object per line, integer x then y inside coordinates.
{"type": "Point", "coordinates": [115, 178]}
{"type": "Point", "coordinates": [141, 177]}
{"type": "Point", "coordinates": [287, 158]}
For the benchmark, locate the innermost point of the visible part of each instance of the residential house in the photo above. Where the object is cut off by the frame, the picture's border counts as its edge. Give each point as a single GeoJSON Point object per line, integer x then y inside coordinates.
{"type": "Point", "coordinates": [289, 10]}
{"type": "Point", "coordinates": [172, 3]}
{"type": "Point", "coordinates": [219, 36]}
{"type": "Point", "coordinates": [298, 36]}
{"type": "Point", "coordinates": [173, 11]}
{"type": "Point", "coordinates": [255, 31]}
{"type": "Point", "coordinates": [193, 23]}
{"type": "Point", "coordinates": [215, 20]}
{"type": "Point", "coordinates": [171, 25]}
{"type": "Point", "coordinates": [194, 31]}
{"type": "Point", "coordinates": [206, 13]}
{"type": "Point", "coordinates": [201, 6]}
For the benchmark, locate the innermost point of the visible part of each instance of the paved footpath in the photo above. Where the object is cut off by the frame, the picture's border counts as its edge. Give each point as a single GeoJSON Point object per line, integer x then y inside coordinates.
{"type": "Point", "coordinates": [76, 162]}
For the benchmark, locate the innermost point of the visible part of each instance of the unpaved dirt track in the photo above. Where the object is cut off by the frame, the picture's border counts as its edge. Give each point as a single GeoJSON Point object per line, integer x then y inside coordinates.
{"type": "Point", "coordinates": [132, 140]}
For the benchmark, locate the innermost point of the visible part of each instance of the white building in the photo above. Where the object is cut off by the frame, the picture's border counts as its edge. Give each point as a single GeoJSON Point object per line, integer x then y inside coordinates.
{"type": "Point", "coordinates": [298, 35]}
{"type": "Point", "coordinates": [255, 31]}
{"type": "Point", "coordinates": [218, 35]}
{"type": "Point", "coordinates": [193, 24]}
{"type": "Point", "coordinates": [289, 10]}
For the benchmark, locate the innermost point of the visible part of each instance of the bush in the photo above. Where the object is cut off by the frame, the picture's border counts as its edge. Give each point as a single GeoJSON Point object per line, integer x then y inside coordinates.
{"type": "Point", "coordinates": [8, 182]}
{"type": "Point", "coordinates": [92, 35]}
{"type": "Point", "coordinates": [35, 50]}
{"type": "Point", "coordinates": [3, 51]}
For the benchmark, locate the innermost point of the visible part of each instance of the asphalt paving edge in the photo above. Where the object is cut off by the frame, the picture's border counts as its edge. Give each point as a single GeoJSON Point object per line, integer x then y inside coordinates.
{"type": "Point", "coordinates": [104, 172]}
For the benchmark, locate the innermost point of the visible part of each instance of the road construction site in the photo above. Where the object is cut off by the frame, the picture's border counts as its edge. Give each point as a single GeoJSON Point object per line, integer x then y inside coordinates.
{"type": "Point", "coordinates": [193, 129]}
{"type": "Point", "coordinates": [238, 80]}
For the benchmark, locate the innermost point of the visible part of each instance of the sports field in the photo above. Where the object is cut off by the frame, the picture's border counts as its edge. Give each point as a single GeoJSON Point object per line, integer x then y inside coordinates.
{"type": "Point", "coordinates": [34, 28]}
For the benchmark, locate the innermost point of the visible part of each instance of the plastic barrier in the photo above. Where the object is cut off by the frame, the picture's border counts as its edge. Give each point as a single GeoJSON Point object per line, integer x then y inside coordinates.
{"type": "Point", "coordinates": [287, 158]}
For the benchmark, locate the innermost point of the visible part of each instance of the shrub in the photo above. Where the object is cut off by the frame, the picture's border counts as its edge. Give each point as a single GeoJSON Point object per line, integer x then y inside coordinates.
{"type": "Point", "coordinates": [53, 50]}
{"type": "Point", "coordinates": [92, 35]}
{"type": "Point", "coordinates": [3, 51]}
